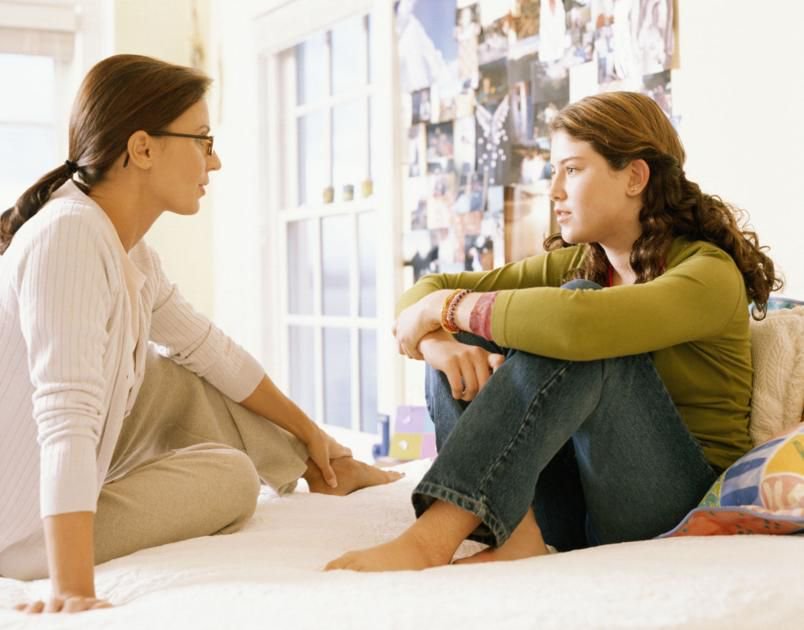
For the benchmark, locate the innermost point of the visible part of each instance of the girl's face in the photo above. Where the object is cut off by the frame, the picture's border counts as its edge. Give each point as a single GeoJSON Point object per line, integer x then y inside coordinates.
{"type": "Point", "coordinates": [592, 202]}
{"type": "Point", "coordinates": [182, 165]}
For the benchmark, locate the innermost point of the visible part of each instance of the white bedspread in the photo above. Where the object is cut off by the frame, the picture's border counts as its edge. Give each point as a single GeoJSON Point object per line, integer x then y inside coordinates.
{"type": "Point", "coordinates": [269, 576]}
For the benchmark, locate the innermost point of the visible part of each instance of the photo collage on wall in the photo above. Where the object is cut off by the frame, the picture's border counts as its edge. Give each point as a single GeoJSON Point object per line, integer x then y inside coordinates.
{"type": "Point", "coordinates": [481, 81]}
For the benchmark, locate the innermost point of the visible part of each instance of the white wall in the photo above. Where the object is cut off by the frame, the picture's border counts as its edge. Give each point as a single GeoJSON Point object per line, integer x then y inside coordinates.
{"type": "Point", "coordinates": [165, 30]}
{"type": "Point", "coordinates": [740, 91]}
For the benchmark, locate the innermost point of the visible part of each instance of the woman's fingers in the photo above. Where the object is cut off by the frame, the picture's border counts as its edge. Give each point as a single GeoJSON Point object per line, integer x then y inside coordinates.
{"type": "Point", "coordinates": [495, 361]}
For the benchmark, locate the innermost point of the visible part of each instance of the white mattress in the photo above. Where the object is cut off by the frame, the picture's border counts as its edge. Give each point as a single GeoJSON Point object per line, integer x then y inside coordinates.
{"type": "Point", "coordinates": [269, 576]}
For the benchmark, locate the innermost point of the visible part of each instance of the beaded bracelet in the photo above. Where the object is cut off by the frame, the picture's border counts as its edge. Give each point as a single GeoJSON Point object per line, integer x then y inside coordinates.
{"type": "Point", "coordinates": [449, 309]}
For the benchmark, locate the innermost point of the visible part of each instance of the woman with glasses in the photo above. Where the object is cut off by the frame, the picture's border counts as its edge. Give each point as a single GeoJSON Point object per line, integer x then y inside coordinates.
{"type": "Point", "coordinates": [109, 446]}
{"type": "Point", "coordinates": [591, 394]}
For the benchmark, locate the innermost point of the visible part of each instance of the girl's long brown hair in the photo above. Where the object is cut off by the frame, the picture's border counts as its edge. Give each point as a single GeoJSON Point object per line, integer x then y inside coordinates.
{"type": "Point", "coordinates": [119, 96]}
{"type": "Point", "coordinates": [627, 126]}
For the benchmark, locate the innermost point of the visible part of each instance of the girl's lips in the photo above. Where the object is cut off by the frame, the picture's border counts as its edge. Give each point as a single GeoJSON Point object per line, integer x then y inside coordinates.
{"type": "Point", "coordinates": [562, 215]}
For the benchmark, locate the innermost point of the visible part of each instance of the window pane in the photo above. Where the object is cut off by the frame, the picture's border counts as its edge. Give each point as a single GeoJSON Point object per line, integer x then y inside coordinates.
{"type": "Point", "coordinates": [34, 102]}
{"type": "Point", "coordinates": [349, 140]}
{"type": "Point", "coordinates": [311, 69]}
{"type": "Point", "coordinates": [21, 168]}
{"type": "Point", "coordinates": [337, 377]}
{"type": "Point", "coordinates": [336, 247]}
{"type": "Point", "coordinates": [301, 236]}
{"type": "Point", "coordinates": [367, 235]}
{"type": "Point", "coordinates": [368, 381]}
{"type": "Point", "coordinates": [348, 55]}
{"type": "Point", "coordinates": [313, 164]}
{"type": "Point", "coordinates": [302, 369]}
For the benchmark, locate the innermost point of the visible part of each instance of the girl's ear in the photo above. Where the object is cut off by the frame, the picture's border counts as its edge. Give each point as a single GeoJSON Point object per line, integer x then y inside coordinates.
{"type": "Point", "coordinates": [639, 174]}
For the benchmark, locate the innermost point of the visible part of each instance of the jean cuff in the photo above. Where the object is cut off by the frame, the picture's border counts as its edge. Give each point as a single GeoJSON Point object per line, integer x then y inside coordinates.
{"type": "Point", "coordinates": [491, 530]}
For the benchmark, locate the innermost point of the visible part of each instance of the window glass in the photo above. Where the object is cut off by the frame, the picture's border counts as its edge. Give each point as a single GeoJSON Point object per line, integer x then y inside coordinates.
{"type": "Point", "coordinates": [336, 248]}
{"type": "Point", "coordinates": [302, 370]}
{"type": "Point", "coordinates": [311, 69]}
{"type": "Point", "coordinates": [313, 164]}
{"type": "Point", "coordinates": [367, 236]}
{"type": "Point", "coordinates": [368, 381]}
{"type": "Point", "coordinates": [300, 247]}
{"type": "Point", "coordinates": [337, 377]}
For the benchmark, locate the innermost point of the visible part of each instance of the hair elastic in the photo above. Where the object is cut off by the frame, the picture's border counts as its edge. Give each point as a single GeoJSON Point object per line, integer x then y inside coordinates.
{"type": "Point", "coordinates": [71, 166]}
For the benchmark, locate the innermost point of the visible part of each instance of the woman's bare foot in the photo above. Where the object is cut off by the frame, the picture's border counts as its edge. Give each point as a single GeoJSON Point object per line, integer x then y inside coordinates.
{"type": "Point", "coordinates": [525, 542]}
{"type": "Point", "coordinates": [406, 553]}
{"type": "Point", "coordinates": [352, 475]}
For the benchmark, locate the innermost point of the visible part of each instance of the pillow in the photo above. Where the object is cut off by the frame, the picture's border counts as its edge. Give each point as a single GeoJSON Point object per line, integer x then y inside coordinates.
{"type": "Point", "coordinates": [777, 352]}
{"type": "Point", "coordinates": [761, 493]}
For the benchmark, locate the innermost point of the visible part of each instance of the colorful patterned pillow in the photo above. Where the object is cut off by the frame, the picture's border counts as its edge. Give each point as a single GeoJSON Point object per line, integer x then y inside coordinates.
{"type": "Point", "coordinates": [761, 493]}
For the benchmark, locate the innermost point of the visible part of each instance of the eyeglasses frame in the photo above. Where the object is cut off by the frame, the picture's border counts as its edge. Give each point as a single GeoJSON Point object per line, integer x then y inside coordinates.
{"type": "Point", "coordinates": [174, 134]}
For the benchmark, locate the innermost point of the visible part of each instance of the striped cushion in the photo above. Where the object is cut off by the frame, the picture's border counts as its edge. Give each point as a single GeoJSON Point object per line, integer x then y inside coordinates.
{"type": "Point", "coordinates": [761, 493]}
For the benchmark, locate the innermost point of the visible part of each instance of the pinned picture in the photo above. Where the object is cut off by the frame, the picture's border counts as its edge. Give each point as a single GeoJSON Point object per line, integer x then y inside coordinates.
{"type": "Point", "coordinates": [467, 34]}
{"type": "Point", "coordinates": [420, 252]}
{"type": "Point", "coordinates": [654, 35]}
{"type": "Point", "coordinates": [493, 83]}
{"type": "Point", "coordinates": [658, 87]}
{"type": "Point", "coordinates": [525, 17]}
{"type": "Point", "coordinates": [440, 148]}
{"type": "Point", "coordinates": [441, 200]}
{"type": "Point", "coordinates": [493, 41]}
{"type": "Point", "coordinates": [428, 52]}
{"type": "Point", "coordinates": [471, 193]}
{"type": "Point", "coordinates": [417, 147]}
{"type": "Point", "coordinates": [493, 142]}
{"type": "Point", "coordinates": [552, 30]}
{"type": "Point", "coordinates": [464, 136]}
{"type": "Point", "coordinates": [421, 106]}
{"type": "Point", "coordinates": [580, 32]}
{"type": "Point", "coordinates": [478, 253]}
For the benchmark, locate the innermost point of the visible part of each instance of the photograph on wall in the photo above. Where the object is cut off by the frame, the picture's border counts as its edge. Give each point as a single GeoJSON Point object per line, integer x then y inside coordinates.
{"type": "Point", "coordinates": [420, 252]}
{"type": "Point", "coordinates": [417, 150]}
{"type": "Point", "coordinates": [493, 41]}
{"type": "Point", "coordinates": [550, 93]}
{"type": "Point", "coordinates": [469, 224]}
{"type": "Point", "coordinates": [421, 106]}
{"type": "Point", "coordinates": [440, 148]}
{"type": "Point", "coordinates": [617, 55]}
{"type": "Point", "coordinates": [521, 97]}
{"type": "Point", "coordinates": [493, 227]}
{"type": "Point", "coordinates": [467, 34]}
{"type": "Point", "coordinates": [478, 253]}
{"type": "Point", "coordinates": [658, 87]}
{"type": "Point", "coordinates": [525, 19]}
{"type": "Point", "coordinates": [464, 137]}
{"type": "Point", "coordinates": [493, 10]}
{"type": "Point", "coordinates": [493, 142]}
{"type": "Point", "coordinates": [493, 83]}
{"type": "Point", "coordinates": [654, 35]}
{"type": "Point", "coordinates": [440, 200]}
{"type": "Point", "coordinates": [471, 193]}
{"type": "Point", "coordinates": [428, 52]}
{"type": "Point", "coordinates": [552, 30]}
{"type": "Point", "coordinates": [530, 165]}
{"type": "Point", "coordinates": [580, 32]}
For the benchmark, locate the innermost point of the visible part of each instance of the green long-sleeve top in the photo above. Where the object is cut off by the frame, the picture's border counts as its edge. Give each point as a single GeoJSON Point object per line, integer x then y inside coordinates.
{"type": "Point", "coordinates": [693, 319]}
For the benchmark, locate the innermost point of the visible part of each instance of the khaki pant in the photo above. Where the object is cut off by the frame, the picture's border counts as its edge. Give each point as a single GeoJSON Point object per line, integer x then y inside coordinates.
{"type": "Point", "coordinates": [188, 463]}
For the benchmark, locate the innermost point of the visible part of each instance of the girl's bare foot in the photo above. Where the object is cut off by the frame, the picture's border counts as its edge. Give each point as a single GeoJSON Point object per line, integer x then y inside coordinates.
{"type": "Point", "coordinates": [352, 475]}
{"type": "Point", "coordinates": [525, 542]}
{"type": "Point", "coordinates": [406, 553]}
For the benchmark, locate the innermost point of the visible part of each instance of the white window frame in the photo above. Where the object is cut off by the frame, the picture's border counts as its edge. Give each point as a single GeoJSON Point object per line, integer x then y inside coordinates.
{"type": "Point", "coordinates": [279, 27]}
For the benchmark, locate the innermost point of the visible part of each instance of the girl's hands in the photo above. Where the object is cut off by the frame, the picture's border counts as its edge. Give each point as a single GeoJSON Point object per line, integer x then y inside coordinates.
{"type": "Point", "coordinates": [64, 603]}
{"type": "Point", "coordinates": [417, 320]}
{"type": "Point", "coordinates": [467, 368]}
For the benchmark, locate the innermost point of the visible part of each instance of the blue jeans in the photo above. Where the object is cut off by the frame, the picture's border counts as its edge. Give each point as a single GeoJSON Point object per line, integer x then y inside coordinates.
{"type": "Point", "coordinates": [597, 448]}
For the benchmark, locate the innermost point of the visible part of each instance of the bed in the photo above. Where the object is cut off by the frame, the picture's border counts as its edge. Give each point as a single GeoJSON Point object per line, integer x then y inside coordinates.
{"type": "Point", "coordinates": [269, 575]}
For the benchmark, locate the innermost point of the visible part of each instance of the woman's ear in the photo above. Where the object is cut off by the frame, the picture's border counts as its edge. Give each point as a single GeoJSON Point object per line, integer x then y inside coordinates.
{"type": "Point", "coordinates": [139, 149]}
{"type": "Point", "coordinates": [638, 176]}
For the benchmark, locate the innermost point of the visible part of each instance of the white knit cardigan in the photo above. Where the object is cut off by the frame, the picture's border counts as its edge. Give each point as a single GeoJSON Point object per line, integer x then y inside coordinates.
{"type": "Point", "coordinates": [70, 364]}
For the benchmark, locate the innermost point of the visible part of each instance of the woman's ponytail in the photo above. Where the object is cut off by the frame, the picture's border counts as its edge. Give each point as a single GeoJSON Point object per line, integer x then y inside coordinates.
{"type": "Point", "coordinates": [31, 201]}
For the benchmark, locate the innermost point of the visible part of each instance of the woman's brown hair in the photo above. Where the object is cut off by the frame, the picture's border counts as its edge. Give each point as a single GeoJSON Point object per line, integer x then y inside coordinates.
{"type": "Point", "coordinates": [119, 96]}
{"type": "Point", "coordinates": [627, 126]}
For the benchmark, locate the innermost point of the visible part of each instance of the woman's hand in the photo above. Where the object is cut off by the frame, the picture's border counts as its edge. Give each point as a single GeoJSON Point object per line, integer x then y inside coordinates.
{"type": "Point", "coordinates": [64, 603]}
{"type": "Point", "coordinates": [467, 368]}
{"type": "Point", "coordinates": [417, 320]}
{"type": "Point", "coordinates": [322, 449]}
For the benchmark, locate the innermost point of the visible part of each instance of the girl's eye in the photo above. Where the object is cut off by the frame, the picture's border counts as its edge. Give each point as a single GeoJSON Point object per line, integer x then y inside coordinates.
{"type": "Point", "coordinates": [572, 170]}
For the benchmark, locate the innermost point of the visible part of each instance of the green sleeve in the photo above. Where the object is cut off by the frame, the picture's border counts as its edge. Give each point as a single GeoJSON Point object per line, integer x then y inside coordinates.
{"type": "Point", "coordinates": [696, 298]}
{"type": "Point", "coordinates": [544, 270]}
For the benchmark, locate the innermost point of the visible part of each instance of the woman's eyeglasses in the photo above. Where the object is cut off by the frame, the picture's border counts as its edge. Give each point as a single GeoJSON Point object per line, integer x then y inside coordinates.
{"type": "Point", "coordinates": [208, 140]}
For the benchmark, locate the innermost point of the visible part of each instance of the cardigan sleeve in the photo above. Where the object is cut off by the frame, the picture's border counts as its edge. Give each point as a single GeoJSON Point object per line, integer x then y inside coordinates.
{"type": "Point", "coordinates": [191, 340]}
{"type": "Point", "coordinates": [65, 298]}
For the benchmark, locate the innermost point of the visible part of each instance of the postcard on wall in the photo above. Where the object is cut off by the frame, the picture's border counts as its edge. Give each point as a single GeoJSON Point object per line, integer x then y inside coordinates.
{"type": "Point", "coordinates": [440, 148]}
{"type": "Point", "coordinates": [427, 48]}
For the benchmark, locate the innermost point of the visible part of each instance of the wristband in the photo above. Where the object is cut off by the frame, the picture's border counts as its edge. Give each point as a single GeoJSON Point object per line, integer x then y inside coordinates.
{"type": "Point", "coordinates": [449, 309]}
